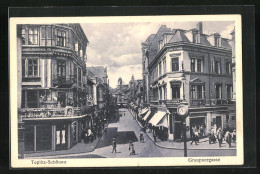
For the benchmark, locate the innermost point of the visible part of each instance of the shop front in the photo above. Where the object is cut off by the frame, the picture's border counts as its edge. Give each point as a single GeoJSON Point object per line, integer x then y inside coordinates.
{"type": "Point", "coordinates": [51, 134]}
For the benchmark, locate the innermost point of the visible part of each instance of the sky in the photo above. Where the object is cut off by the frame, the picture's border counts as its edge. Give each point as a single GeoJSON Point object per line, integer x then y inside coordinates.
{"type": "Point", "coordinates": [118, 45]}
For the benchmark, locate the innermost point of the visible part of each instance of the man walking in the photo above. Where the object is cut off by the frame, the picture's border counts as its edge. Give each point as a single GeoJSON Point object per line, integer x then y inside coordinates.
{"type": "Point", "coordinates": [141, 137]}
{"type": "Point", "coordinates": [114, 145]}
{"type": "Point", "coordinates": [219, 135]}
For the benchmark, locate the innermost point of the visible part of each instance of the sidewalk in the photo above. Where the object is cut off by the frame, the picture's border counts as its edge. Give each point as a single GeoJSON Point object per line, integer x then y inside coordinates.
{"type": "Point", "coordinates": [78, 148]}
{"type": "Point", "coordinates": [203, 143]}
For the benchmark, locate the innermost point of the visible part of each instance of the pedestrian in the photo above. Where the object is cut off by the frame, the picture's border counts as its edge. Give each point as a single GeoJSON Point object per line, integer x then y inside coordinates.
{"type": "Point", "coordinates": [154, 135]}
{"type": "Point", "coordinates": [195, 137]}
{"type": "Point", "coordinates": [219, 135]}
{"type": "Point", "coordinates": [210, 140]}
{"type": "Point", "coordinates": [141, 137]}
{"type": "Point", "coordinates": [234, 136]}
{"type": "Point", "coordinates": [131, 148]}
{"type": "Point", "coordinates": [228, 138]}
{"type": "Point", "coordinates": [114, 145]}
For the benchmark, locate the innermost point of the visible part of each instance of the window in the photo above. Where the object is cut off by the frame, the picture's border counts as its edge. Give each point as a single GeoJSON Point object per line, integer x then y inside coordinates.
{"type": "Point", "coordinates": [175, 64]}
{"type": "Point", "coordinates": [199, 62]}
{"type": "Point", "coordinates": [165, 92]}
{"type": "Point", "coordinates": [175, 92]}
{"type": "Point", "coordinates": [164, 66]}
{"type": "Point", "coordinates": [61, 38]}
{"type": "Point", "coordinates": [217, 67]}
{"type": "Point", "coordinates": [160, 69]}
{"type": "Point", "coordinates": [218, 91]}
{"type": "Point", "coordinates": [23, 36]}
{"type": "Point", "coordinates": [192, 65]}
{"type": "Point", "coordinates": [32, 70]}
{"type": "Point", "coordinates": [197, 91]}
{"type": "Point", "coordinates": [61, 68]}
{"type": "Point", "coordinates": [228, 68]}
{"type": "Point", "coordinates": [229, 91]}
{"type": "Point", "coordinates": [79, 75]}
{"type": "Point", "coordinates": [144, 65]}
{"type": "Point", "coordinates": [33, 36]}
{"type": "Point", "coordinates": [160, 89]}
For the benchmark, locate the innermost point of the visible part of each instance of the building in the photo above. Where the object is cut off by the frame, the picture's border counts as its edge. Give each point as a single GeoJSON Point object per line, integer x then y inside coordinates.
{"type": "Point", "coordinates": [99, 75]}
{"type": "Point", "coordinates": [121, 93]}
{"type": "Point", "coordinates": [53, 85]}
{"type": "Point", "coordinates": [192, 68]}
{"type": "Point", "coordinates": [136, 91]}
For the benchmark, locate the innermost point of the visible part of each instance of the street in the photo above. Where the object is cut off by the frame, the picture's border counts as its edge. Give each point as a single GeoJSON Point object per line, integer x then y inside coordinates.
{"type": "Point", "coordinates": [126, 129]}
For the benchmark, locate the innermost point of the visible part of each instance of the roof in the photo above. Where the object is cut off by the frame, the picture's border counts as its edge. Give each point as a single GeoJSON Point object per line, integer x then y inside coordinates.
{"type": "Point", "coordinates": [179, 37]}
{"type": "Point", "coordinates": [98, 71]}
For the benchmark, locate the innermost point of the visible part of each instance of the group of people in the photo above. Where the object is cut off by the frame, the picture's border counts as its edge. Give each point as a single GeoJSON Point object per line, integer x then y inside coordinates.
{"type": "Point", "coordinates": [131, 147]}
{"type": "Point", "coordinates": [220, 135]}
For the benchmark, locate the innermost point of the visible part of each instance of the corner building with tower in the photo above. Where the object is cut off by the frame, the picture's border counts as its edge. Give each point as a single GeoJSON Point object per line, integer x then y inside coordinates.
{"type": "Point", "coordinates": [192, 68]}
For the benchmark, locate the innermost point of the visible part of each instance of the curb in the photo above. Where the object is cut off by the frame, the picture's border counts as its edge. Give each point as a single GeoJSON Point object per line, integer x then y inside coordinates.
{"type": "Point", "coordinates": [176, 148]}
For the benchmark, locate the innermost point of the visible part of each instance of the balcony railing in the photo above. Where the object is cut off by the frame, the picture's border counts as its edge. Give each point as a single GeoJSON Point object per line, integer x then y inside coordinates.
{"type": "Point", "coordinates": [48, 112]}
{"type": "Point", "coordinates": [209, 102]}
{"type": "Point", "coordinates": [63, 80]}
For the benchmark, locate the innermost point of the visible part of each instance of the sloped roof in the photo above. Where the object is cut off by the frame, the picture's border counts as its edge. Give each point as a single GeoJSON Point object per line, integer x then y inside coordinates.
{"type": "Point", "coordinates": [225, 44]}
{"type": "Point", "coordinates": [154, 42]}
{"type": "Point", "coordinates": [98, 71]}
{"type": "Point", "coordinates": [204, 40]}
{"type": "Point", "coordinates": [179, 37]}
{"type": "Point", "coordinates": [148, 40]}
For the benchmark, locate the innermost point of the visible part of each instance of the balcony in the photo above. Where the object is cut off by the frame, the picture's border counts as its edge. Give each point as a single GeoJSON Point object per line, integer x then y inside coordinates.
{"type": "Point", "coordinates": [64, 81]}
{"type": "Point", "coordinates": [48, 112]}
{"type": "Point", "coordinates": [209, 102]}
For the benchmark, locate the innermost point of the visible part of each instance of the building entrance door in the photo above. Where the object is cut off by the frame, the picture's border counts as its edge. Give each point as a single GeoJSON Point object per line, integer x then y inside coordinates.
{"type": "Point", "coordinates": [218, 122]}
{"type": "Point", "coordinates": [177, 130]}
{"type": "Point", "coordinates": [61, 137]}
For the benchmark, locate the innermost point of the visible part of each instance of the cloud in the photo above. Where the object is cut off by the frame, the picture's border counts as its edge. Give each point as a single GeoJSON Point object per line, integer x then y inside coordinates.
{"type": "Point", "coordinates": [118, 45]}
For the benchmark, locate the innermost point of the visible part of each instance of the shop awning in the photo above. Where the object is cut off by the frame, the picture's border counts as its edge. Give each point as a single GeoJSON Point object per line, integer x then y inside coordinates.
{"type": "Point", "coordinates": [163, 122]}
{"type": "Point", "coordinates": [157, 118]}
{"type": "Point", "coordinates": [147, 115]}
{"type": "Point", "coordinates": [143, 111]}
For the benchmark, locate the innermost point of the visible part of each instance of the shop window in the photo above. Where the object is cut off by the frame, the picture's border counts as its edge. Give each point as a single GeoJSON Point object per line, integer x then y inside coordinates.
{"type": "Point", "coordinates": [43, 137]}
{"type": "Point", "coordinates": [175, 64]}
{"type": "Point", "coordinates": [33, 36]}
{"type": "Point", "coordinates": [175, 92]}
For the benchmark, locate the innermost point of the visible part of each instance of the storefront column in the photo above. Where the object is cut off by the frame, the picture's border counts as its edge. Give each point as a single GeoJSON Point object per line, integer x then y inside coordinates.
{"type": "Point", "coordinates": [34, 138]}
{"type": "Point", "coordinates": [53, 145]}
{"type": "Point", "coordinates": [188, 124]}
{"type": "Point", "coordinates": [49, 73]}
{"type": "Point", "coordinates": [208, 125]}
{"type": "Point", "coordinates": [68, 135]}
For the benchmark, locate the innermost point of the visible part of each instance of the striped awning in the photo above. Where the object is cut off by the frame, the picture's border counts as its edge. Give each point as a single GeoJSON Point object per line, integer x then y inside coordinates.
{"type": "Point", "coordinates": [157, 118]}
{"type": "Point", "coordinates": [147, 115]}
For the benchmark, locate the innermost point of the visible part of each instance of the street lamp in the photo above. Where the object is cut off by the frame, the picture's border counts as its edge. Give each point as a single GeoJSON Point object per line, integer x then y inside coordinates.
{"type": "Point", "coordinates": [183, 111]}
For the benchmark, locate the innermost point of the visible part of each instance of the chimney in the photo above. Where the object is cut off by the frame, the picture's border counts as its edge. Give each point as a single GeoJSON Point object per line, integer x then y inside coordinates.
{"type": "Point", "coordinates": [199, 27]}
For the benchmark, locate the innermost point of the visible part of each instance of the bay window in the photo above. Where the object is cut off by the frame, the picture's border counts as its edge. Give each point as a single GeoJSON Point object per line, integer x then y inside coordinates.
{"type": "Point", "coordinates": [61, 38]}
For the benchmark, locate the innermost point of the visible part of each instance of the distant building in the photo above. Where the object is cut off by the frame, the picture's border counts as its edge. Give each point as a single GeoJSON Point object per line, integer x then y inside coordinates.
{"type": "Point", "coordinates": [121, 93]}
{"type": "Point", "coordinates": [192, 68]}
{"type": "Point", "coordinates": [99, 75]}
